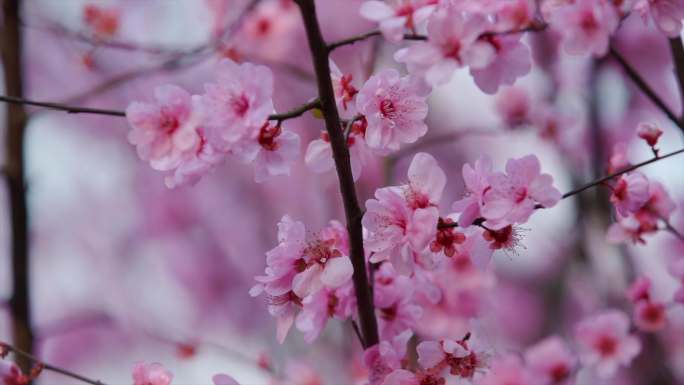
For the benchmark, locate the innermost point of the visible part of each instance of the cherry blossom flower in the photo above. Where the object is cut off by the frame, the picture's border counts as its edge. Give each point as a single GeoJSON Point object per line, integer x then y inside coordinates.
{"type": "Point", "coordinates": [385, 357]}
{"type": "Point", "coordinates": [650, 133]}
{"type": "Point", "coordinates": [151, 374]}
{"type": "Point", "coordinates": [345, 91]}
{"type": "Point", "coordinates": [404, 218]}
{"type": "Point", "coordinates": [630, 193]}
{"type": "Point", "coordinates": [327, 303]}
{"type": "Point", "coordinates": [395, 16]}
{"type": "Point", "coordinates": [166, 131]}
{"type": "Point", "coordinates": [224, 379]}
{"type": "Point", "coordinates": [605, 342]}
{"type": "Point", "coordinates": [395, 109]}
{"type": "Point", "coordinates": [239, 103]}
{"type": "Point", "coordinates": [395, 303]}
{"type": "Point", "coordinates": [453, 42]}
{"type": "Point", "coordinates": [513, 196]}
{"type": "Point", "coordinates": [514, 15]}
{"type": "Point", "coordinates": [551, 361]}
{"type": "Point", "coordinates": [271, 149]}
{"type": "Point", "coordinates": [196, 163]}
{"type": "Point", "coordinates": [650, 316]}
{"type": "Point", "coordinates": [10, 374]}
{"type": "Point", "coordinates": [639, 290]}
{"type": "Point", "coordinates": [476, 179]}
{"type": "Point", "coordinates": [510, 61]}
{"type": "Point", "coordinates": [659, 206]}
{"type": "Point", "coordinates": [103, 22]}
{"type": "Point", "coordinates": [586, 25]}
{"type": "Point", "coordinates": [666, 14]}
{"type": "Point", "coordinates": [514, 106]}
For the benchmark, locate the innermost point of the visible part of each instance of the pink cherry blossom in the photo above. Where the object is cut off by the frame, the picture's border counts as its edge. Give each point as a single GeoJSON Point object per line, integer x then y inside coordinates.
{"type": "Point", "coordinates": [630, 193]}
{"type": "Point", "coordinates": [605, 342]}
{"type": "Point", "coordinates": [396, 16]}
{"type": "Point", "coordinates": [385, 357]}
{"type": "Point", "coordinates": [649, 132]}
{"type": "Point", "coordinates": [271, 149]}
{"type": "Point", "coordinates": [551, 361]}
{"type": "Point", "coordinates": [510, 61]}
{"type": "Point", "coordinates": [224, 379]}
{"type": "Point", "coordinates": [395, 109]}
{"type": "Point", "coordinates": [666, 14]}
{"type": "Point", "coordinates": [650, 316]}
{"type": "Point", "coordinates": [404, 218]}
{"type": "Point", "coordinates": [166, 131]}
{"type": "Point", "coordinates": [432, 354]}
{"type": "Point", "coordinates": [639, 290]}
{"type": "Point", "coordinates": [586, 25]}
{"type": "Point", "coordinates": [195, 164]}
{"type": "Point", "coordinates": [514, 15]}
{"type": "Point", "coordinates": [514, 195]}
{"type": "Point", "coordinates": [345, 91]}
{"type": "Point", "coordinates": [10, 374]}
{"type": "Point", "coordinates": [151, 374]}
{"type": "Point", "coordinates": [238, 103]}
{"type": "Point", "coordinates": [453, 42]}
{"type": "Point", "coordinates": [327, 303]}
{"type": "Point", "coordinates": [395, 303]}
{"type": "Point", "coordinates": [514, 106]}
{"type": "Point", "coordinates": [476, 179]}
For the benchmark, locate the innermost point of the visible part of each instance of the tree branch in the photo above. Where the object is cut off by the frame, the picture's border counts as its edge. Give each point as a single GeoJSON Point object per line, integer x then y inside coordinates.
{"type": "Point", "coordinates": [677, 50]}
{"type": "Point", "coordinates": [32, 359]}
{"type": "Point", "coordinates": [320, 56]}
{"type": "Point", "coordinates": [297, 112]}
{"type": "Point", "coordinates": [20, 300]}
{"type": "Point", "coordinates": [643, 86]}
{"type": "Point", "coordinates": [60, 107]}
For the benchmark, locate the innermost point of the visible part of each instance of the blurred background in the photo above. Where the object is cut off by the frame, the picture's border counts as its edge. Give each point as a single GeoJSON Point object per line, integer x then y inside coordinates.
{"type": "Point", "coordinates": [123, 269]}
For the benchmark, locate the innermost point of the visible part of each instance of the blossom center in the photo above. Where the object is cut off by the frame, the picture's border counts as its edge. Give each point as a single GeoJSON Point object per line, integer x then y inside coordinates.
{"type": "Point", "coordinates": [268, 135]}
{"type": "Point", "coordinates": [240, 105]}
{"type": "Point", "coordinates": [606, 345]}
{"type": "Point", "coordinates": [388, 109]}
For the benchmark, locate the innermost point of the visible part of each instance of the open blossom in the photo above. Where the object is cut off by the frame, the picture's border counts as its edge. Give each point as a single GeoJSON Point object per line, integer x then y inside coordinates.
{"type": "Point", "coordinates": [395, 109]}
{"type": "Point", "coordinates": [630, 193]}
{"type": "Point", "coordinates": [510, 61]}
{"type": "Point", "coordinates": [238, 103]}
{"type": "Point", "coordinates": [151, 374]}
{"type": "Point", "coordinates": [667, 15]}
{"type": "Point", "coordinates": [453, 42]}
{"type": "Point", "coordinates": [396, 308]}
{"type": "Point", "coordinates": [402, 217]}
{"type": "Point", "coordinates": [551, 361]}
{"type": "Point", "coordinates": [476, 179]}
{"type": "Point", "coordinates": [659, 206]}
{"type": "Point", "coordinates": [650, 316]}
{"type": "Point", "coordinates": [385, 357]}
{"type": "Point", "coordinates": [605, 342]}
{"type": "Point", "coordinates": [271, 149]}
{"type": "Point", "coordinates": [345, 91]}
{"type": "Point", "coordinates": [586, 25]}
{"type": "Point", "coordinates": [513, 196]}
{"type": "Point", "coordinates": [396, 16]}
{"type": "Point", "coordinates": [327, 303]}
{"type": "Point", "coordinates": [164, 132]}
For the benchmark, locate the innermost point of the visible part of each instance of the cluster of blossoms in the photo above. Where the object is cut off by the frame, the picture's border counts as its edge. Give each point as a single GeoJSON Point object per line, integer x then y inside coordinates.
{"type": "Point", "coordinates": [188, 135]}
{"type": "Point", "coordinates": [640, 204]}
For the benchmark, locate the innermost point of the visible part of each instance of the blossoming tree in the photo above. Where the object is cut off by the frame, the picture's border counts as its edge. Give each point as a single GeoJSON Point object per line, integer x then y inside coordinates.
{"type": "Point", "coordinates": [410, 265]}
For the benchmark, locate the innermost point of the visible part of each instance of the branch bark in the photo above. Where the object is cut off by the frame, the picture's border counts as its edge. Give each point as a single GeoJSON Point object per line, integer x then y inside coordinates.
{"type": "Point", "coordinates": [677, 50]}
{"type": "Point", "coordinates": [20, 301]}
{"type": "Point", "coordinates": [320, 56]}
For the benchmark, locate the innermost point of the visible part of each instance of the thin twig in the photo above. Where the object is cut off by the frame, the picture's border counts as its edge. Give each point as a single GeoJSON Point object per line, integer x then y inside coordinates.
{"type": "Point", "coordinates": [672, 230]}
{"type": "Point", "coordinates": [354, 39]}
{"type": "Point", "coordinates": [677, 50]}
{"type": "Point", "coordinates": [61, 107]}
{"type": "Point", "coordinates": [357, 331]}
{"type": "Point", "coordinates": [52, 368]}
{"type": "Point", "coordinates": [296, 112]}
{"type": "Point", "coordinates": [643, 86]}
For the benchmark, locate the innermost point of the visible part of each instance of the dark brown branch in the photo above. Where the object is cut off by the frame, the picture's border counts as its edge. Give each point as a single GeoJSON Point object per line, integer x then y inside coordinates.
{"type": "Point", "coordinates": [297, 112]}
{"type": "Point", "coordinates": [354, 39]}
{"type": "Point", "coordinates": [644, 87]}
{"type": "Point", "coordinates": [34, 360]}
{"type": "Point", "coordinates": [20, 300]}
{"type": "Point", "coordinates": [60, 107]}
{"type": "Point", "coordinates": [353, 213]}
{"type": "Point", "coordinates": [677, 50]}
